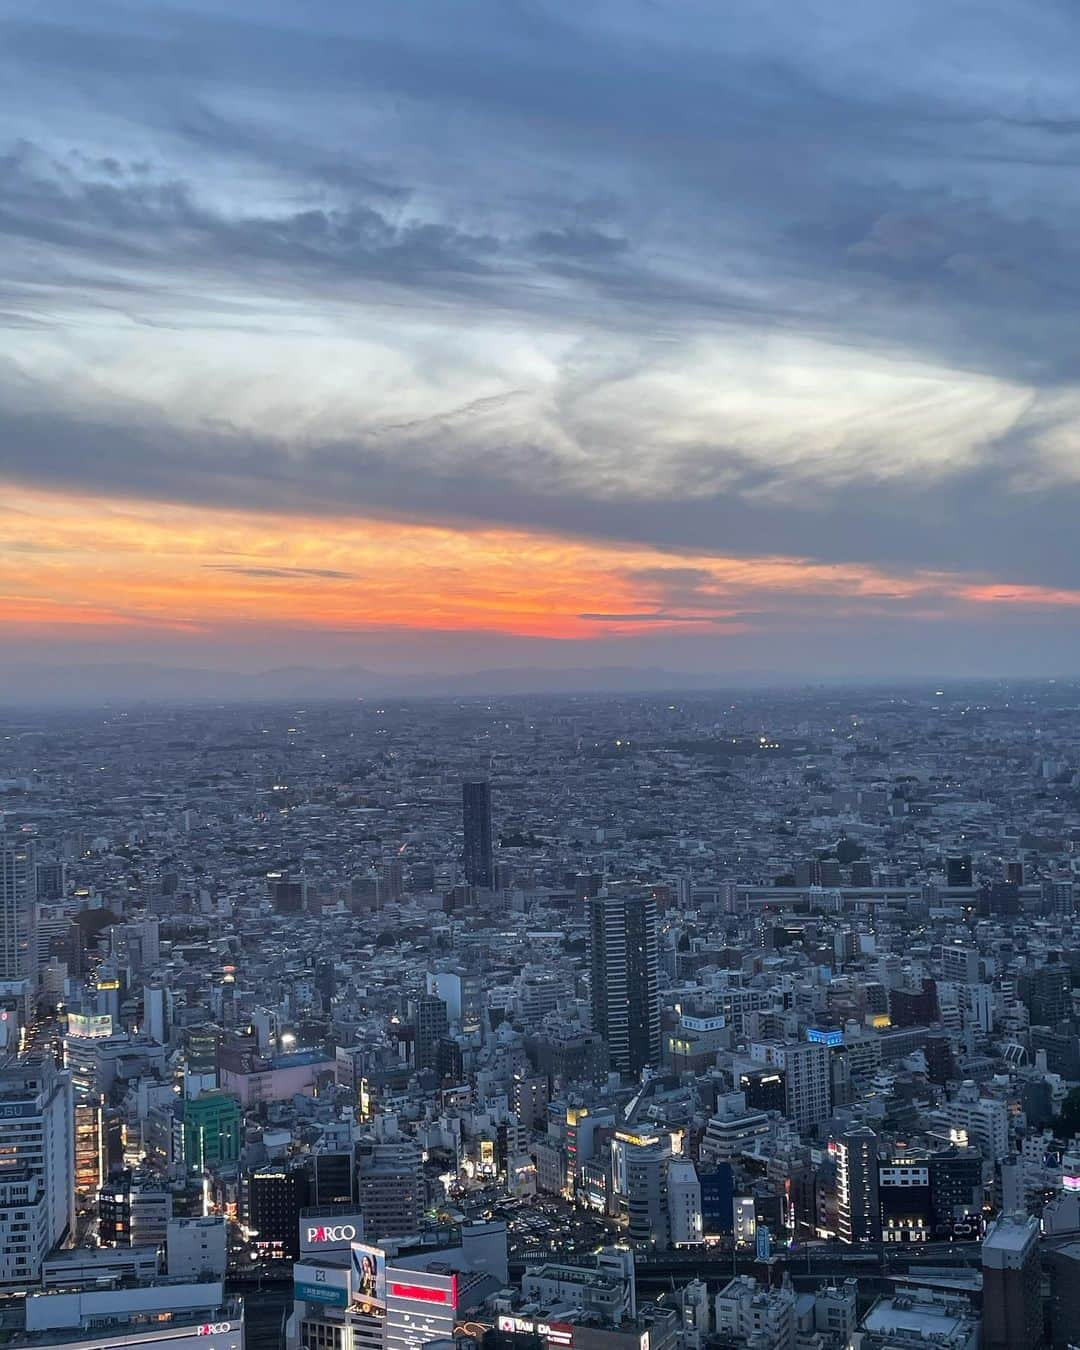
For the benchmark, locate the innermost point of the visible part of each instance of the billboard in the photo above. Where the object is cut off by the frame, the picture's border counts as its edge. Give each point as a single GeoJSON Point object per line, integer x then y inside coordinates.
{"type": "Point", "coordinates": [555, 1333]}
{"type": "Point", "coordinates": [369, 1277]}
{"type": "Point", "coordinates": [321, 1234]}
{"type": "Point", "coordinates": [90, 1028]}
{"type": "Point", "coordinates": [315, 1283]}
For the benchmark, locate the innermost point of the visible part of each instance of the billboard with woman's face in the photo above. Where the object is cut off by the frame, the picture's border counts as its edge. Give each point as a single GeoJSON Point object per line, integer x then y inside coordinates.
{"type": "Point", "coordinates": [368, 1277]}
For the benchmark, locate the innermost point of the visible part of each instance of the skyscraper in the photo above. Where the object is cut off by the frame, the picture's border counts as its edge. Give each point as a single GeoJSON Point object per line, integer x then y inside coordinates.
{"type": "Point", "coordinates": [624, 960]}
{"type": "Point", "coordinates": [857, 1209]}
{"type": "Point", "coordinates": [476, 818]}
{"type": "Point", "coordinates": [17, 898]}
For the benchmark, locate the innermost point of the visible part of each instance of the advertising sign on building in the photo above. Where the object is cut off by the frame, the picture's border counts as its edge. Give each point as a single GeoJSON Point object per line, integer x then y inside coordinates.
{"type": "Point", "coordinates": [324, 1233]}
{"type": "Point", "coordinates": [329, 1285]}
{"type": "Point", "coordinates": [369, 1277]}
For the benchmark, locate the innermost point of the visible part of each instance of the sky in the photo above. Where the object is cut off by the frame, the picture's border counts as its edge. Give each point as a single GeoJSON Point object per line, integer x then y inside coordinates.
{"type": "Point", "coordinates": [520, 333]}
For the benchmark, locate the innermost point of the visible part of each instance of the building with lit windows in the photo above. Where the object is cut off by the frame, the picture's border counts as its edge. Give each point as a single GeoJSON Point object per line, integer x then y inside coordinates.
{"type": "Point", "coordinates": [37, 1167]}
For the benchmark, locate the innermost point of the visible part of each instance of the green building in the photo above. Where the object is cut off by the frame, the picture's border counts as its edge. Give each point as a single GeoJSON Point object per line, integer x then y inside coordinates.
{"type": "Point", "coordinates": [211, 1131]}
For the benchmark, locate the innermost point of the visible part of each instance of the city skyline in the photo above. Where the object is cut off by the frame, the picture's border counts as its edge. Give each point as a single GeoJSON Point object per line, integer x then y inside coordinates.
{"type": "Point", "coordinates": [645, 337]}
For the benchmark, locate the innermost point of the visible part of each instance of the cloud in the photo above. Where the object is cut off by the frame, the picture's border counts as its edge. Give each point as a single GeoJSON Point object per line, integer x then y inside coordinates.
{"type": "Point", "coordinates": [656, 616]}
{"type": "Point", "coordinates": [300, 573]}
{"type": "Point", "coordinates": [753, 283]}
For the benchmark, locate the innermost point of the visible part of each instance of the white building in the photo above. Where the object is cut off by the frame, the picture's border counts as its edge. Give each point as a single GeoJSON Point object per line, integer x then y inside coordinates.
{"type": "Point", "coordinates": [169, 1315]}
{"type": "Point", "coordinates": [756, 1317]}
{"type": "Point", "coordinates": [83, 1267]}
{"type": "Point", "coordinates": [684, 1204]}
{"type": "Point", "coordinates": [196, 1248]}
{"type": "Point", "coordinates": [37, 1167]}
{"type": "Point", "coordinates": [985, 1120]}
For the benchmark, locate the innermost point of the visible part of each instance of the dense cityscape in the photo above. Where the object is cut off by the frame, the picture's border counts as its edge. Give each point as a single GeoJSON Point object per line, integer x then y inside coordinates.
{"type": "Point", "coordinates": [637, 1023]}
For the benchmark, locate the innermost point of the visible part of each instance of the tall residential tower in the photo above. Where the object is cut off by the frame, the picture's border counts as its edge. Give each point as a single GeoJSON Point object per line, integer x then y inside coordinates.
{"type": "Point", "coordinates": [624, 960]}
{"type": "Point", "coordinates": [476, 818]}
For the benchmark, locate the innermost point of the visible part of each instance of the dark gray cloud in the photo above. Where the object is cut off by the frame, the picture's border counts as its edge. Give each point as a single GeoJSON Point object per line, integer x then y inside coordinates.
{"type": "Point", "coordinates": [623, 186]}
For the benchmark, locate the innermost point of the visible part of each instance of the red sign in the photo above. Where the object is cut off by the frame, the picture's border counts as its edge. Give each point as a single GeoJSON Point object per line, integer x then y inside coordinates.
{"type": "Point", "coordinates": [420, 1293]}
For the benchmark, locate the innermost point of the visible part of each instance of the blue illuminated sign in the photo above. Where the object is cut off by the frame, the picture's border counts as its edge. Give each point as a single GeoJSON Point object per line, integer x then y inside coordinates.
{"type": "Point", "coordinates": [824, 1037]}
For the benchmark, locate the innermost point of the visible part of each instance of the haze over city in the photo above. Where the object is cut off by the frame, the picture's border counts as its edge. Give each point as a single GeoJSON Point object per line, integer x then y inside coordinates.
{"type": "Point", "coordinates": [702, 340]}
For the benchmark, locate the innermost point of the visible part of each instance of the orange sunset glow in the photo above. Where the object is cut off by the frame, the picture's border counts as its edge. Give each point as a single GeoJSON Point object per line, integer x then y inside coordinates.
{"type": "Point", "coordinates": [85, 561]}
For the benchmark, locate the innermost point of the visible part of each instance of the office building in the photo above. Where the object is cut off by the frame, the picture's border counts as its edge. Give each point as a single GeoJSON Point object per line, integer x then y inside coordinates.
{"type": "Point", "coordinates": [955, 1188]}
{"type": "Point", "coordinates": [17, 901]}
{"type": "Point", "coordinates": [624, 962]}
{"type": "Point", "coordinates": [1012, 1316]}
{"type": "Point", "coordinates": [1046, 992]}
{"type": "Point", "coordinates": [1062, 1263]}
{"type": "Point", "coordinates": [807, 1078]}
{"type": "Point", "coordinates": [685, 1216]}
{"type": "Point", "coordinates": [476, 820]}
{"type": "Point", "coordinates": [133, 1211]}
{"type": "Point", "coordinates": [645, 1168]}
{"type": "Point", "coordinates": [287, 894]}
{"type": "Point", "coordinates": [905, 1200]}
{"type": "Point", "coordinates": [421, 1306]}
{"type": "Point", "coordinates": [333, 1176]}
{"type": "Point", "coordinates": [391, 1190]}
{"type": "Point", "coordinates": [857, 1205]}
{"type": "Point", "coordinates": [733, 1130]}
{"type": "Point", "coordinates": [37, 1167]}
{"type": "Point", "coordinates": [763, 1089]}
{"type": "Point", "coordinates": [211, 1127]}
{"type": "Point", "coordinates": [432, 1025]}
{"type": "Point", "coordinates": [276, 1195]}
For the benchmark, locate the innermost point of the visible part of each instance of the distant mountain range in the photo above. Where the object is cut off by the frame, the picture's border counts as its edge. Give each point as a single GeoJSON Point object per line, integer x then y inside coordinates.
{"type": "Point", "coordinates": [130, 682]}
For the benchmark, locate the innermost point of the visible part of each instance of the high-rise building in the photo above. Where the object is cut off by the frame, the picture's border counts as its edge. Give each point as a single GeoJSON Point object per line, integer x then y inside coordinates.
{"type": "Point", "coordinates": [1063, 1264]}
{"type": "Point", "coordinates": [1012, 1317]}
{"type": "Point", "coordinates": [1046, 992]}
{"type": "Point", "coordinates": [432, 1024]}
{"type": "Point", "coordinates": [645, 1168]}
{"type": "Point", "coordinates": [476, 819]}
{"type": "Point", "coordinates": [391, 1189]}
{"type": "Point", "coordinates": [857, 1207]}
{"type": "Point", "coordinates": [212, 1130]}
{"type": "Point", "coordinates": [50, 878]}
{"type": "Point", "coordinates": [624, 960]}
{"type": "Point", "coordinates": [333, 1176]}
{"type": "Point", "coordinates": [275, 1195]}
{"type": "Point", "coordinates": [37, 1167]}
{"type": "Point", "coordinates": [17, 901]}
{"type": "Point", "coordinates": [807, 1078]}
